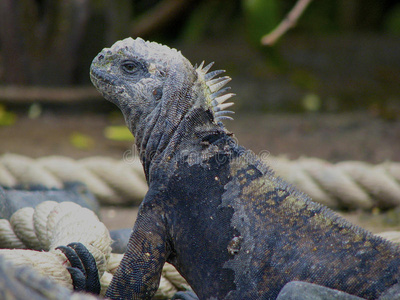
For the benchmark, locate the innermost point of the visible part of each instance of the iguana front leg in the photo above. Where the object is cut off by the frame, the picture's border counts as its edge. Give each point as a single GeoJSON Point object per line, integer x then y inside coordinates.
{"type": "Point", "coordinates": [139, 273]}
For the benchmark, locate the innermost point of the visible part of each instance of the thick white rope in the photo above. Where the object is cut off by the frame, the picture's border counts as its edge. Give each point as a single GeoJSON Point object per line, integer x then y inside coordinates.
{"type": "Point", "coordinates": [350, 184]}
{"type": "Point", "coordinates": [48, 226]}
{"type": "Point", "coordinates": [52, 224]}
{"type": "Point", "coordinates": [110, 180]}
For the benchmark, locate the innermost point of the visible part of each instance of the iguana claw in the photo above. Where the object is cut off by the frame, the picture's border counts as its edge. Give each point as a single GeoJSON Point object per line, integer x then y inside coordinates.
{"type": "Point", "coordinates": [83, 268]}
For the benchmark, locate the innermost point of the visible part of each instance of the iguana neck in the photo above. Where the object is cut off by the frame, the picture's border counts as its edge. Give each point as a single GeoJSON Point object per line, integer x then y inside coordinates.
{"type": "Point", "coordinates": [162, 140]}
{"type": "Point", "coordinates": [181, 114]}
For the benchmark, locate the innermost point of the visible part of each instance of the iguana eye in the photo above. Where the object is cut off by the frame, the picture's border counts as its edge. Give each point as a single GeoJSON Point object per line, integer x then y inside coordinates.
{"type": "Point", "coordinates": [129, 67]}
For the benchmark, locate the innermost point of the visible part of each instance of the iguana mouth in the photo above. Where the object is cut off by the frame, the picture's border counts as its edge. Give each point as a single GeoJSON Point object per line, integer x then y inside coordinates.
{"type": "Point", "coordinates": [98, 75]}
{"type": "Point", "coordinates": [108, 85]}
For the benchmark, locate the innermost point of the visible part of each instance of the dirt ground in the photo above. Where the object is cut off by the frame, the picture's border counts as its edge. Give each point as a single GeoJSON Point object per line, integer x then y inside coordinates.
{"type": "Point", "coordinates": [334, 137]}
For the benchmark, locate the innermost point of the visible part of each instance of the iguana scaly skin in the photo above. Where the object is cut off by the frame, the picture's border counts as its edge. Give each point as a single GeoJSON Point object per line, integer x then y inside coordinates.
{"type": "Point", "coordinates": [213, 209]}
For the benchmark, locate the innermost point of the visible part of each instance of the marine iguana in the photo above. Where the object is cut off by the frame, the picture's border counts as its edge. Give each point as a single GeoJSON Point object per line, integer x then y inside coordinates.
{"type": "Point", "coordinates": [214, 210]}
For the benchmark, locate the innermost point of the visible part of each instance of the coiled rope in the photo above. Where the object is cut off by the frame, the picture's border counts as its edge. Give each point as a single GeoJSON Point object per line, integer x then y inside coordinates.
{"type": "Point", "coordinates": [110, 180]}
{"type": "Point", "coordinates": [52, 224]}
{"type": "Point", "coordinates": [349, 184]}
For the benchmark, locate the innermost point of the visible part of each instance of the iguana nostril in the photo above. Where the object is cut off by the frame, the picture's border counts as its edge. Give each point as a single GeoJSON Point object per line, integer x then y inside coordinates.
{"type": "Point", "coordinates": [100, 57]}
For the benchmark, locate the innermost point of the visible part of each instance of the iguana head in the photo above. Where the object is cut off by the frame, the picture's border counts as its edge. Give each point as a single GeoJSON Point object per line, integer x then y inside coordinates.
{"type": "Point", "coordinates": [132, 75]}
{"type": "Point", "coordinates": [157, 88]}
{"type": "Point", "coordinates": [137, 75]}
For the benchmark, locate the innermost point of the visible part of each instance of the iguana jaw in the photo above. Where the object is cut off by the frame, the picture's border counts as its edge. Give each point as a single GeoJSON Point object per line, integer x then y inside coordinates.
{"type": "Point", "coordinates": [106, 84]}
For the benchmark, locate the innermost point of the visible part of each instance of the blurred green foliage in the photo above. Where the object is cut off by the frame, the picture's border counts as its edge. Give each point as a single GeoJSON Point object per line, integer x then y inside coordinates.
{"type": "Point", "coordinates": [118, 133]}
{"type": "Point", "coordinates": [201, 20]}
{"type": "Point", "coordinates": [261, 17]}
{"type": "Point", "coordinates": [50, 43]}
{"type": "Point", "coordinates": [81, 141]}
{"type": "Point", "coordinates": [392, 21]}
{"type": "Point", "coordinates": [7, 118]}
{"type": "Point", "coordinates": [304, 79]}
{"type": "Point", "coordinates": [311, 102]}
{"type": "Point", "coordinates": [55, 43]}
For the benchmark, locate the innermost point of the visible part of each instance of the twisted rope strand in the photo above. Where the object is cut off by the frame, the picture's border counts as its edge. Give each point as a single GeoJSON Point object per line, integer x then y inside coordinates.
{"type": "Point", "coordinates": [64, 223]}
{"type": "Point", "coordinates": [349, 184]}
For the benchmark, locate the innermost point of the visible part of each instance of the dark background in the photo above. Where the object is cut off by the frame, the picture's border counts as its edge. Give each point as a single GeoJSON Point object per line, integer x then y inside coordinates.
{"type": "Point", "coordinates": [329, 88]}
